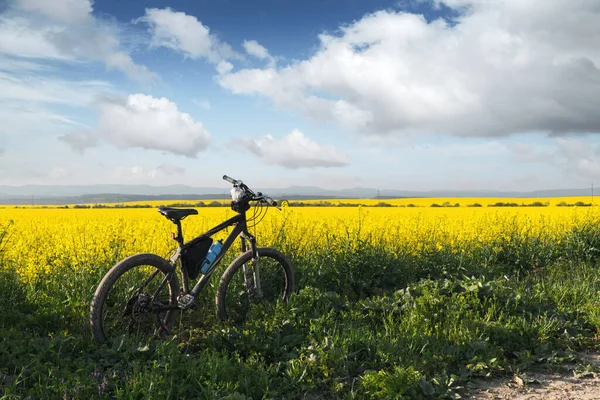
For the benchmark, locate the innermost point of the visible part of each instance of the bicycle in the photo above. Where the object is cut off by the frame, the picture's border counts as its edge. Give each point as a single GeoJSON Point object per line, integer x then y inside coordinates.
{"type": "Point", "coordinates": [157, 305]}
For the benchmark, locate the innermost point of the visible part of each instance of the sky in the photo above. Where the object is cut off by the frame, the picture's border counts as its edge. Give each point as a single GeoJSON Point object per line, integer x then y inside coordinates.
{"type": "Point", "coordinates": [404, 94]}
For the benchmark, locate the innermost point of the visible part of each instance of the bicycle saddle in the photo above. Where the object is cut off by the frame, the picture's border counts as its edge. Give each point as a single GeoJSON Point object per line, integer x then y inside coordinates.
{"type": "Point", "coordinates": [176, 214]}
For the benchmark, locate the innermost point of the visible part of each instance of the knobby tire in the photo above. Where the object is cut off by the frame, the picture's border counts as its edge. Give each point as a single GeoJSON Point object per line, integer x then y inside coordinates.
{"type": "Point", "coordinates": [102, 298]}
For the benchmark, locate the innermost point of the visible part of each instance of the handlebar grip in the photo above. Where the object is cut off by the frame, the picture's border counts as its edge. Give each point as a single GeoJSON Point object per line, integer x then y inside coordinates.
{"type": "Point", "coordinates": [229, 179]}
{"type": "Point", "coordinates": [271, 202]}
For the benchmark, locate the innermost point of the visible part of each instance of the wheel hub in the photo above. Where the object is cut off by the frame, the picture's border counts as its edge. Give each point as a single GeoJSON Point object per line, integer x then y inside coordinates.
{"type": "Point", "coordinates": [142, 304]}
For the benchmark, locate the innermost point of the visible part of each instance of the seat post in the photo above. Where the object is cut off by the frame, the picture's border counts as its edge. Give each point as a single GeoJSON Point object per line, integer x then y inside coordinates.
{"type": "Point", "coordinates": [179, 237]}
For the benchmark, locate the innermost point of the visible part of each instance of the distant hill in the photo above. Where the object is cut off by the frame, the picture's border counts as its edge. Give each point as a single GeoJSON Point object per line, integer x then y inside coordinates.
{"type": "Point", "coordinates": [80, 190]}
{"type": "Point", "coordinates": [85, 194]}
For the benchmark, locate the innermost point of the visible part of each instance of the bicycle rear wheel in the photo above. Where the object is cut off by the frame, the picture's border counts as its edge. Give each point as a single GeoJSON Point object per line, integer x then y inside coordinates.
{"type": "Point", "coordinates": [239, 295]}
{"type": "Point", "coordinates": [132, 299]}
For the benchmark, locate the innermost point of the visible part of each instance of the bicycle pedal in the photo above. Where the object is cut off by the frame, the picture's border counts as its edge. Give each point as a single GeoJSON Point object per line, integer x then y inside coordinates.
{"type": "Point", "coordinates": [187, 301]}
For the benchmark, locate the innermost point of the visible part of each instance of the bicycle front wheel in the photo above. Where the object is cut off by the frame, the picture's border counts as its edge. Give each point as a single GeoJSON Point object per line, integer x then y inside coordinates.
{"type": "Point", "coordinates": [247, 286]}
{"type": "Point", "coordinates": [135, 298]}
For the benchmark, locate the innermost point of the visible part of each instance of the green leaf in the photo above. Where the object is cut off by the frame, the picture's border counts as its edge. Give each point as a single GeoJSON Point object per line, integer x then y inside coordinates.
{"type": "Point", "coordinates": [427, 388]}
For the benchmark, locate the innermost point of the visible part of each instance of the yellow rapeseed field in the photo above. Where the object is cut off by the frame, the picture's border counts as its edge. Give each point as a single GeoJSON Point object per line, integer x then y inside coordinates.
{"type": "Point", "coordinates": [40, 240]}
{"type": "Point", "coordinates": [461, 201]}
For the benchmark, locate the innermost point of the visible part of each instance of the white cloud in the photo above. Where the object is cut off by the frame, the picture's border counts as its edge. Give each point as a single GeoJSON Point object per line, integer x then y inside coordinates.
{"type": "Point", "coordinates": [589, 167]}
{"type": "Point", "coordinates": [32, 103]}
{"type": "Point", "coordinates": [80, 141]}
{"type": "Point", "coordinates": [10, 64]}
{"type": "Point", "coordinates": [134, 173]}
{"type": "Point", "coordinates": [184, 33]}
{"type": "Point", "coordinates": [505, 67]}
{"type": "Point", "coordinates": [64, 30]}
{"type": "Point", "coordinates": [529, 153]}
{"type": "Point", "coordinates": [69, 11]}
{"type": "Point", "coordinates": [58, 173]}
{"type": "Point", "coordinates": [295, 151]}
{"type": "Point", "coordinates": [170, 169]}
{"type": "Point", "coordinates": [142, 174]}
{"type": "Point", "coordinates": [39, 38]}
{"type": "Point", "coordinates": [42, 174]}
{"type": "Point", "coordinates": [462, 150]}
{"type": "Point", "coordinates": [33, 88]}
{"type": "Point", "coordinates": [122, 61]}
{"type": "Point", "coordinates": [18, 121]}
{"type": "Point", "coordinates": [224, 67]}
{"type": "Point", "coordinates": [19, 36]}
{"type": "Point", "coordinates": [204, 104]}
{"type": "Point", "coordinates": [141, 121]}
{"type": "Point", "coordinates": [257, 50]}
{"type": "Point", "coordinates": [577, 158]}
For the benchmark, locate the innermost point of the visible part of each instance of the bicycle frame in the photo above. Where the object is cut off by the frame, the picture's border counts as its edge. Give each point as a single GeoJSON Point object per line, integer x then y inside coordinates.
{"type": "Point", "coordinates": [240, 229]}
{"type": "Point", "coordinates": [150, 300]}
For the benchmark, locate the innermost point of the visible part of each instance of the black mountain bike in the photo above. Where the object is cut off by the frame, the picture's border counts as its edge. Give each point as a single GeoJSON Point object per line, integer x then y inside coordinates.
{"type": "Point", "coordinates": [141, 295]}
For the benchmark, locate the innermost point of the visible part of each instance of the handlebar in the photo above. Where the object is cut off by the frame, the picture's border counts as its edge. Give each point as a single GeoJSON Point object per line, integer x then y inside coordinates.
{"type": "Point", "coordinates": [230, 179]}
{"type": "Point", "coordinates": [271, 202]}
{"type": "Point", "coordinates": [254, 196]}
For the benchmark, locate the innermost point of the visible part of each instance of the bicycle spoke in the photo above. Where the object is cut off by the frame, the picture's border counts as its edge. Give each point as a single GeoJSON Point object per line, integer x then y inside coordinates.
{"type": "Point", "coordinates": [130, 309]}
{"type": "Point", "coordinates": [254, 288]}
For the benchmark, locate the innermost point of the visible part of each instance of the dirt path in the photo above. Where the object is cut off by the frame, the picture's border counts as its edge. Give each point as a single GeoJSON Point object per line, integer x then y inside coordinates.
{"type": "Point", "coordinates": [545, 386]}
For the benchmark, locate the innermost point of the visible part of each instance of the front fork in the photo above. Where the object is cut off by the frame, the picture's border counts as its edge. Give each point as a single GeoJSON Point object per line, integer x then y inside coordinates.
{"type": "Point", "coordinates": [253, 289]}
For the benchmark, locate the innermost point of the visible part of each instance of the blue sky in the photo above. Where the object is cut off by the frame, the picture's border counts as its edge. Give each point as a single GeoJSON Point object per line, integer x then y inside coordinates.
{"type": "Point", "coordinates": [410, 94]}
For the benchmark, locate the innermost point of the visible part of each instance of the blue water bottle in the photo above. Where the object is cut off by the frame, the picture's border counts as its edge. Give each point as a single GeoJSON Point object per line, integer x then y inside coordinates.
{"type": "Point", "coordinates": [213, 252]}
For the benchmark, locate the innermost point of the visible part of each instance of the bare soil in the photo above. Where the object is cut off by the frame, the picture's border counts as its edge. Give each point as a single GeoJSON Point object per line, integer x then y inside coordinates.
{"type": "Point", "coordinates": [544, 385]}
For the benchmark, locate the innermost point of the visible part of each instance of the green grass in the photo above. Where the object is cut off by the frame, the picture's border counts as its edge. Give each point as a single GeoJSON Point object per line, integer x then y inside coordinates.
{"type": "Point", "coordinates": [366, 322]}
